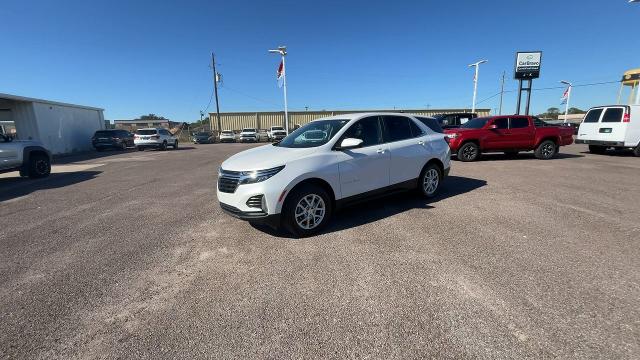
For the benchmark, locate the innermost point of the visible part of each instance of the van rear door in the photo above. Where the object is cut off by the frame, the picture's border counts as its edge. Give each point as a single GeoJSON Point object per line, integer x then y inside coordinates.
{"type": "Point", "coordinates": [604, 126]}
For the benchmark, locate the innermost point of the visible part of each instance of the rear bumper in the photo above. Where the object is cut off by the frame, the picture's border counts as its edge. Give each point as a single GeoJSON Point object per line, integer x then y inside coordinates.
{"type": "Point", "coordinates": [248, 139]}
{"type": "Point", "coordinates": [254, 217]}
{"type": "Point", "coordinates": [600, 142]}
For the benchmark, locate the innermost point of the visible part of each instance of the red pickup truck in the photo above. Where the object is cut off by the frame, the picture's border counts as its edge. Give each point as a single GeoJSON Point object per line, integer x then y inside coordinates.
{"type": "Point", "coordinates": [509, 134]}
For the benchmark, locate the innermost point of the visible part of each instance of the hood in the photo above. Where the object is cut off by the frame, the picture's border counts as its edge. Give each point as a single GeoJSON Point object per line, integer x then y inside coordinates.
{"type": "Point", "coordinates": [264, 157]}
{"type": "Point", "coordinates": [247, 133]}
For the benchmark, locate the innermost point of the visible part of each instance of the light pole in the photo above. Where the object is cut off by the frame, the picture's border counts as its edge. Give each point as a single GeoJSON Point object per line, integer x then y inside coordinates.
{"type": "Point", "coordinates": [566, 106]}
{"type": "Point", "coordinates": [282, 50]}
{"type": "Point", "coordinates": [475, 82]}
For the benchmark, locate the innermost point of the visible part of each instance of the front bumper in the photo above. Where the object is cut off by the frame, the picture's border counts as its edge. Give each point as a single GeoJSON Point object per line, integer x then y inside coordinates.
{"type": "Point", "coordinates": [249, 139]}
{"type": "Point", "coordinates": [254, 217]}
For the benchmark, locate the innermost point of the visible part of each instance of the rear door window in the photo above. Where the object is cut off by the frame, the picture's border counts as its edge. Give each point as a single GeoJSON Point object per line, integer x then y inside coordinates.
{"type": "Point", "coordinates": [593, 116]}
{"type": "Point", "coordinates": [501, 123]}
{"type": "Point", "coordinates": [519, 123]}
{"type": "Point", "coordinates": [612, 115]}
{"type": "Point", "coordinates": [396, 128]}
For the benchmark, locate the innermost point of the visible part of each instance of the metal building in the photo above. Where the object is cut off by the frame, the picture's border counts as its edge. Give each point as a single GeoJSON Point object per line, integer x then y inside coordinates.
{"type": "Point", "coordinates": [266, 119]}
{"type": "Point", "coordinates": [62, 128]}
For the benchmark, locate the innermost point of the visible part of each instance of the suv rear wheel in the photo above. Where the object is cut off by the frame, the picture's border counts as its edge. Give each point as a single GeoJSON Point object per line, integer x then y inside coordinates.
{"type": "Point", "coordinates": [546, 150]}
{"type": "Point", "coordinates": [636, 151]}
{"type": "Point", "coordinates": [163, 146]}
{"type": "Point", "coordinates": [430, 180]}
{"type": "Point", "coordinates": [469, 152]}
{"type": "Point", "coordinates": [307, 210]}
{"type": "Point", "coordinates": [175, 145]}
{"type": "Point", "coordinates": [39, 166]}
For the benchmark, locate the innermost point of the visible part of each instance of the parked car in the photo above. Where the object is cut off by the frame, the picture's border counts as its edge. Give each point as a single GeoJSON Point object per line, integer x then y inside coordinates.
{"type": "Point", "coordinates": [112, 139]}
{"type": "Point", "coordinates": [454, 120]}
{"type": "Point", "coordinates": [262, 135]}
{"type": "Point", "coordinates": [29, 157]}
{"type": "Point", "coordinates": [203, 137]}
{"type": "Point", "coordinates": [277, 133]}
{"type": "Point", "coordinates": [227, 136]}
{"type": "Point", "coordinates": [615, 126]}
{"type": "Point", "coordinates": [157, 138]}
{"type": "Point", "coordinates": [249, 135]}
{"type": "Point", "coordinates": [508, 134]}
{"type": "Point", "coordinates": [329, 163]}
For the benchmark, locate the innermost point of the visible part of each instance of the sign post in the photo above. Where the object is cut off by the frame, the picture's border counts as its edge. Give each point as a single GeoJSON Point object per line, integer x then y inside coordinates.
{"type": "Point", "coordinates": [527, 67]}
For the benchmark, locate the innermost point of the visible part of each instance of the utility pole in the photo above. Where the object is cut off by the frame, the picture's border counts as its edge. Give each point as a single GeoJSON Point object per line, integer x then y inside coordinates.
{"type": "Point", "coordinates": [476, 65]}
{"type": "Point", "coordinates": [501, 93]}
{"type": "Point", "coordinates": [215, 89]}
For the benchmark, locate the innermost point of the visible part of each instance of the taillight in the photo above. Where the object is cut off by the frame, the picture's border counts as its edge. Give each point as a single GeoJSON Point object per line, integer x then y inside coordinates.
{"type": "Point", "coordinates": [626, 118]}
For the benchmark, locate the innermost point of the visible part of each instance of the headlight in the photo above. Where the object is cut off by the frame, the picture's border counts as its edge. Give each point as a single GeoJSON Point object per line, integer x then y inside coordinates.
{"type": "Point", "coordinates": [251, 177]}
{"type": "Point", "coordinates": [452, 136]}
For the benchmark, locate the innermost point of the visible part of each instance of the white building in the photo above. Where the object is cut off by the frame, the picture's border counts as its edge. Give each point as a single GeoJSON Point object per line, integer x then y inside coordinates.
{"type": "Point", "coordinates": [62, 128]}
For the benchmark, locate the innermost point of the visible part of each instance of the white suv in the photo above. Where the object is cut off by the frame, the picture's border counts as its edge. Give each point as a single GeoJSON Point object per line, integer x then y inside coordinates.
{"type": "Point", "coordinates": [328, 163]}
{"type": "Point", "coordinates": [155, 138]}
{"type": "Point", "coordinates": [249, 135]}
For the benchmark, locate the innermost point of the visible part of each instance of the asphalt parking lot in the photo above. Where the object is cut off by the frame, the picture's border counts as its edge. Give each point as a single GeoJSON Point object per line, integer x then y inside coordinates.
{"type": "Point", "coordinates": [126, 255]}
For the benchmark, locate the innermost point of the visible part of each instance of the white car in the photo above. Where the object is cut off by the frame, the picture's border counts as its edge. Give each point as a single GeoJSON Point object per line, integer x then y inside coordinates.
{"type": "Point", "coordinates": [331, 162]}
{"type": "Point", "coordinates": [277, 133]}
{"type": "Point", "coordinates": [249, 134]}
{"type": "Point", "coordinates": [227, 136]}
{"type": "Point", "coordinates": [616, 126]}
{"type": "Point", "coordinates": [157, 138]}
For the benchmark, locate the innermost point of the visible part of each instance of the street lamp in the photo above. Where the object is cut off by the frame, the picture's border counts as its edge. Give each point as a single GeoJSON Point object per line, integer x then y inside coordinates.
{"type": "Point", "coordinates": [566, 106]}
{"type": "Point", "coordinates": [475, 82]}
{"type": "Point", "coordinates": [282, 50]}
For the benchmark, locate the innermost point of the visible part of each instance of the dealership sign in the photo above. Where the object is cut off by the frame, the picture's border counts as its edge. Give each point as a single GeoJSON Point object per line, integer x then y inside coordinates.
{"type": "Point", "coordinates": [528, 65]}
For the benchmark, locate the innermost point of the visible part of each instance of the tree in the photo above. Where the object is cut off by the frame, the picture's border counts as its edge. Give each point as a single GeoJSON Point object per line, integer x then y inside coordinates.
{"type": "Point", "coordinates": [574, 110]}
{"type": "Point", "coordinates": [151, 117]}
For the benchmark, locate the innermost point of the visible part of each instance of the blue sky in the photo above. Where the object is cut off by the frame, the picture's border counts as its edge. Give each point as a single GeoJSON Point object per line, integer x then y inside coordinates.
{"type": "Point", "coordinates": [138, 57]}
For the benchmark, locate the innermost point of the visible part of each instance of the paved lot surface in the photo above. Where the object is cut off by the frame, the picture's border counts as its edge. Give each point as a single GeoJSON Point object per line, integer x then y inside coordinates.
{"type": "Point", "coordinates": [128, 255]}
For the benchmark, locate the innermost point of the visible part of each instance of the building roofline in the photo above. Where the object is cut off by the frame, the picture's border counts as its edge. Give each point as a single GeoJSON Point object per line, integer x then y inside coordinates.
{"type": "Point", "coordinates": [28, 99]}
{"type": "Point", "coordinates": [349, 111]}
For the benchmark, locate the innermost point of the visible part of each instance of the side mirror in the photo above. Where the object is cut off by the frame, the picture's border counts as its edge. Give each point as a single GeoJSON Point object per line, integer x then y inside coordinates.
{"type": "Point", "coordinates": [492, 127]}
{"type": "Point", "coordinates": [350, 143]}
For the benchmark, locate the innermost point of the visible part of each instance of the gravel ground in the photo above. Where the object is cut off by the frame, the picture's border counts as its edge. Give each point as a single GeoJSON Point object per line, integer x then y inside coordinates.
{"type": "Point", "coordinates": [127, 255]}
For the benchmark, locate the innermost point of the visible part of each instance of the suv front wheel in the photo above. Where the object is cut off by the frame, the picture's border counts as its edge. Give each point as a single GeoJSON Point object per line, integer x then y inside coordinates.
{"type": "Point", "coordinates": [307, 210]}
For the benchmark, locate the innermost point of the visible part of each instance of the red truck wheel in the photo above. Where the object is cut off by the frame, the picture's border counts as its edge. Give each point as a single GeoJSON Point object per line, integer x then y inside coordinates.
{"type": "Point", "coordinates": [469, 152]}
{"type": "Point", "coordinates": [546, 150]}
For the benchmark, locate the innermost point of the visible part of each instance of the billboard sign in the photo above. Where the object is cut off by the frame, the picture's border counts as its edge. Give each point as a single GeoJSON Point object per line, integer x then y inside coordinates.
{"type": "Point", "coordinates": [528, 65]}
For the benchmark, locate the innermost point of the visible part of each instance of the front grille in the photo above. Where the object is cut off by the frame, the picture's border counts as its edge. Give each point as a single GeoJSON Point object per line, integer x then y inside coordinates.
{"type": "Point", "coordinates": [228, 181]}
{"type": "Point", "coordinates": [255, 202]}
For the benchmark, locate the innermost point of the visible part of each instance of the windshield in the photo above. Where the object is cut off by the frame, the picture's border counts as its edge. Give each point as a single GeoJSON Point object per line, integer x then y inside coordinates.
{"type": "Point", "coordinates": [147, 132]}
{"type": "Point", "coordinates": [313, 134]}
{"type": "Point", "coordinates": [203, 134]}
{"type": "Point", "coordinates": [104, 133]}
{"type": "Point", "coordinates": [476, 123]}
{"type": "Point", "coordinates": [277, 128]}
{"type": "Point", "coordinates": [249, 130]}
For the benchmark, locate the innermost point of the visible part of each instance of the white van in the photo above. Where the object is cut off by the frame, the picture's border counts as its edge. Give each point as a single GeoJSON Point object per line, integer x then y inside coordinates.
{"type": "Point", "coordinates": [616, 126]}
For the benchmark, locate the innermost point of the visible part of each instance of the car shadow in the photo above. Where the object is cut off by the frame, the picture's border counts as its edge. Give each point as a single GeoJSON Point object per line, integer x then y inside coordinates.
{"type": "Point", "coordinates": [520, 156]}
{"type": "Point", "coordinates": [381, 208]}
{"type": "Point", "coordinates": [15, 187]}
{"type": "Point", "coordinates": [618, 153]}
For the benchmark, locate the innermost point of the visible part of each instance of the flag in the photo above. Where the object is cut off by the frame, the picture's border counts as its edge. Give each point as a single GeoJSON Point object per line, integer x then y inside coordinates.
{"type": "Point", "coordinates": [280, 74]}
{"type": "Point", "coordinates": [564, 97]}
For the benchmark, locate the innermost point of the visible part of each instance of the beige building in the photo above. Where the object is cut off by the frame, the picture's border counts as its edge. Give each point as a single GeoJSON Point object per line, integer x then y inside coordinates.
{"type": "Point", "coordinates": [266, 119]}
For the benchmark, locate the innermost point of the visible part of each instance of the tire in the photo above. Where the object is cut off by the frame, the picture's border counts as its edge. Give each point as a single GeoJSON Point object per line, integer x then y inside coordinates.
{"type": "Point", "coordinates": [299, 225]}
{"type": "Point", "coordinates": [469, 152]}
{"type": "Point", "coordinates": [595, 149]}
{"type": "Point", "coordinates": [39, 166]}
{"type": "Point", "coordinates": [175, 145]}
{"type": "Point", "coordinates": [511, 154]}
{"type": "Point", "coordinates": [546, 150]}
{"type": "Point", "coordinates": [163, 146]}
{"type": "Point", "coordinates": [430, 180]}
{"type": "Point", "coordinates": [123, 146]}
{"type": "Point", "coordinates": [636, 151]}
{"type": "Point", "coordinates": [140, 148]}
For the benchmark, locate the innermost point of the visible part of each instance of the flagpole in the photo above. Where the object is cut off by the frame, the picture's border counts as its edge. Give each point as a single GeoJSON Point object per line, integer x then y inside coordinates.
{"type": "Point", "coordinates": [284, 85]}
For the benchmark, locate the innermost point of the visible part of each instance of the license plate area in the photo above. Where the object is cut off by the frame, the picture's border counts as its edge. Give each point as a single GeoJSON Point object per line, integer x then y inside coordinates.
{"type": "Point", "coordinates": [605, 130]}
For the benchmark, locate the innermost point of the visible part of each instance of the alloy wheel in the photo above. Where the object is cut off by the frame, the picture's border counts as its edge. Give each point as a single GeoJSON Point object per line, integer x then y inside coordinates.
{"type": "Point", "coordinates": [430, 181]}
{"type": "Point", "coordinates": [310, 211]}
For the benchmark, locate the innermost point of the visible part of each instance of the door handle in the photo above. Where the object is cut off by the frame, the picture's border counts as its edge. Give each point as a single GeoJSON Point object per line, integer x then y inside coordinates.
{"type": "Point", "coordinates": [380, 151]}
